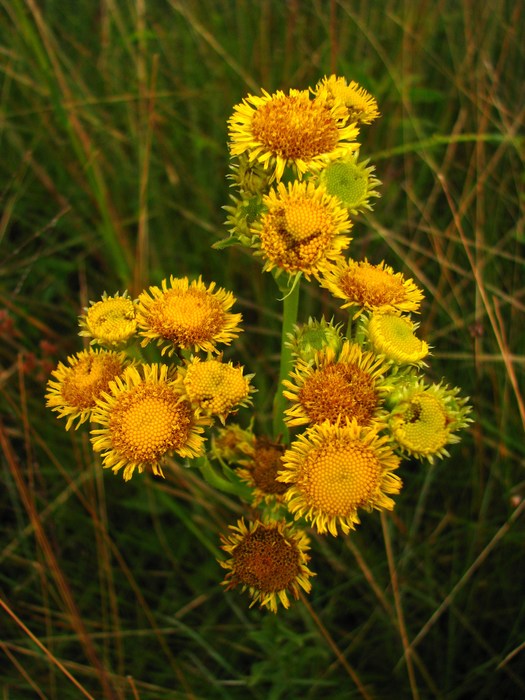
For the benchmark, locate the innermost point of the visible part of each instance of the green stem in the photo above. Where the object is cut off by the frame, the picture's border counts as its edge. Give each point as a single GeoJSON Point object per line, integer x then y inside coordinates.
{"type": "Point", "coordinates": [290, 309]}
{"type": "Point", "coordinates": [359, 332]}
{"type": "Point", "coordinates": [230, 485]}
{"type": "Point", "coordinates": [350, 328]}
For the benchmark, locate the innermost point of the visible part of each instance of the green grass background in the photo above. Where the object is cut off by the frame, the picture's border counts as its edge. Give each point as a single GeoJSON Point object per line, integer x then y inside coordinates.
{"type": "Point", "coordinates": [112, 176]}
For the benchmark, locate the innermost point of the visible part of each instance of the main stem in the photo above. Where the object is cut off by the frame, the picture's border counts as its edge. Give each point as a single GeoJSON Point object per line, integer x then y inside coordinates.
{"type": "Point", "coordinates": [290, 309]}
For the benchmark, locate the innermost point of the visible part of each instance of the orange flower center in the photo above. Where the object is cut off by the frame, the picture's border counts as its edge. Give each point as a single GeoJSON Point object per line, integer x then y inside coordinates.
{"type": "Point", "coordinates": [297, 234]}
{"type": "Point", "coordinates": [295, 127]}
{"type": "Point", "coordinates": [339, 478]}
{"type": "Point", "coordinates": [266, 560]}
{"type": "Point", "coordinates": [267, 463]}
{"type": "Point", "coordinates": [340, 390]}
{"type": "Point", "coordinates": [88, 378]}
{"type": "Point", "coordinates": [369, 285]}
{"type": "Point", "coordinates": [186, 317]}
{"type": "Point", "coordinates": [148, 421]}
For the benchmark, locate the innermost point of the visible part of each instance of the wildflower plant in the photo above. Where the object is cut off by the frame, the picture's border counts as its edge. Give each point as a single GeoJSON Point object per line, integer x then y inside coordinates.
{"type": "Point", "coordinates": [352, 401]}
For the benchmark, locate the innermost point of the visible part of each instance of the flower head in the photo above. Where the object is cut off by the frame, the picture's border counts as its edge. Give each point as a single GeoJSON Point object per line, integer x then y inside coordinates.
{"type": "Point", "coordinates": [217, 388]}
{"type": "Point", "coordinates": [425, 419]}
{"type": "Point", "coordinates": [249, 176]}
{"type": "Point", "coordinates": [75, 389]}
{"type": "Point", "coordinates": [351, 181]}
{"type": "Point", "coordinates": [110, 321]}
{"type": "Point", "coordinates": [241, 217]}
{"type": "Point", "coordinates": [302, 230]}
{"type": "Point", "coordinates": [144, 420]}
{"type": "Point", "coordinates": [347, 387]}
{"type": "Point", "coordinates": [269, 560]}
{"type": "Point", "coordinates": [260, 472]}
{"type": "Point", "coordinates": [282, 130]}
{"type": "Point", "coordinates": [371, 287]}
{"type": "Point", "coordinates": [187, 315]}
{"type": "Point", "coordinates": [336, 470]}
{"type": "Point", "coordinates": [310, 338]}
{"type": "Point", "coordinates": [360, 104]}
{"type": "Point", "coordinates": [393, 337]}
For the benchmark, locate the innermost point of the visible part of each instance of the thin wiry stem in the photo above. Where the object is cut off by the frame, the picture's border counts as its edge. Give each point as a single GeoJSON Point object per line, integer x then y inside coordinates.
{"type": "Point", "coordinates": [290, 309]}
{"type": "Point", "coordinates": [399, 609]}
{"type": "Point", "coordinates": [333, 646]}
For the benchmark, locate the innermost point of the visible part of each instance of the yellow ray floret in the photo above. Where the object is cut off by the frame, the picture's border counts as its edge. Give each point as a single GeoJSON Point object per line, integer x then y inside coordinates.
{"type": "Point", "coordinates": [269, 560]}
{"type": "Point", "coordinates": [303, 229]}
{"type": "Point", "coordinates": [367, 287]}
{"type": "Point", "coordinates": [337, 388]}
{"type": "Point", "coordinates": [110, 321]}
{"type": "Point", "coordinates": [144, 419]}
{"type": "Point", "coordinates": [361, 105]}
{"type": "Point", "coordinates": [218, 388]}
{"type": "Point", "coordinates": [291, 129]}
{"type": "Point", "coordinates": [336, 470]}
{"type": "Point", "coordinates": [187, 315]}
{"type": "Point", "coordinates": [75, 389]}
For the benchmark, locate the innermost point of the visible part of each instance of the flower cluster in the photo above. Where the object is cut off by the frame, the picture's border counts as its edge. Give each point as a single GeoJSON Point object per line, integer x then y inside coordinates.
{"type": "Point", "coordinates": [143, 412]}
{"type": "Point", "coordinates": [352, 400]}
{"type": "Point", "coordinates": [355, 400]}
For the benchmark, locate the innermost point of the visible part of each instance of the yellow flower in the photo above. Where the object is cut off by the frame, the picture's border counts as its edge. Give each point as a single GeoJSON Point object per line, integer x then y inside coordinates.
{"type": "Point", "coordinates": [110, 321]}
{"type": "Point", "coordinates": [371, 287]}
{"type": "Point", "coordinates": [393, 336]}
{"type": "Point", "coordinates": [187, 315]}
{"type": "Point", "coordinates": [351, 181]}
{"type": "Point", "coordinates": [302, 229]}
{"type": "Point", "coordinates": [426, 418]}
{"type": "Point", "coordinates": [282, 130]}
{"type": "Point", "coordinates": [333, 389]}
{"type": "Point", "coordinates": [336, 470]}
{"type": "Point", "coordinates": [260, 473]}
{"type": "Point", "coordinates": [217, 387]}
{"type": "Point", "coordinates": [75, 389]}
{"type": "Point", "coordinates": [144, 420]}
{"type": "Point", "coordinates": [360, 104]}
{"type": "Point", "coordinates": [269, 560]}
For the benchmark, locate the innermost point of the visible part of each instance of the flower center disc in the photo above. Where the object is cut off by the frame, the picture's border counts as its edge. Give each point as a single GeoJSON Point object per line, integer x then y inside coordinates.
{"type": "Point", "coordinates": [340, 478]}
{"type": "Point", "coordinates": [88, 378]}
{"type": "Point", "coordinates": [394, 335]}
{"type": "Point", "coordinates": [368, 285]}
{"type": "Point", "coordinates": [112, 318]}
{"type": "Point", "coordinates": [339, 390]}
{"type": "Point", "coordinates": [294, 127]}
{"type": "Point", "coordinates": [425, 425]}
{"type": "Point", "coordinates": [266, 561]}
{"type": "Point", "coordinates": [267, 463]}
{"type": "Point", "coordinates": [216, 386]}
{"type": "Point", "coordinates": [298, 233]}
{"type": "Point", "coordinates": [347, 182]}
{"type": "Point", "coordinates": [148, 421]}
{"type": "Point", "coordinates": [305, 218]}
{"type": "Point", "coordinates": [186, 317]}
